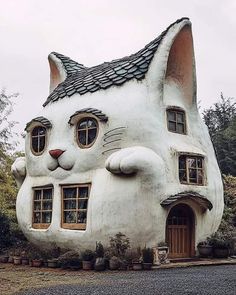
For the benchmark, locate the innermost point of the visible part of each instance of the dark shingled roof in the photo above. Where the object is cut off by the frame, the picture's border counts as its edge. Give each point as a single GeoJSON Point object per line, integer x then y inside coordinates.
{"type": "Point", "coordinates": [81, 79]}
{"type": "Point", "coordinates": [44, 121]}
{"type": "Point", "coordinates": [202, 201]}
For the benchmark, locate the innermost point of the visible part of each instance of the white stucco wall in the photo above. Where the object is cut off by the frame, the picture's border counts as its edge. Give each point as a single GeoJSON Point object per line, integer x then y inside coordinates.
{"type": "Point", "coordinates": [117, 202]}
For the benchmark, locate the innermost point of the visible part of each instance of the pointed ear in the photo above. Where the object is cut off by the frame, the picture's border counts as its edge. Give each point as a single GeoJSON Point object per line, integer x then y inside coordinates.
{"type": "Point", "coordinates": [57, 71]}
{"type": "Point", "coordinates": [180, 68]}
{"type": "Point", "coordinates": [60, 67]}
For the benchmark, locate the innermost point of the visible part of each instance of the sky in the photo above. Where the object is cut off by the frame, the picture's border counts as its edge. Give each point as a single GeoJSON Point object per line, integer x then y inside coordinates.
{"type": "Point", "coordinates": [94, 31]}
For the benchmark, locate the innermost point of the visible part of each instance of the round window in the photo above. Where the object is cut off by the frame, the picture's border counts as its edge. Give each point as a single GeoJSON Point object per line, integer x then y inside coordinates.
{"type": "Point", "coordinates": [38, 140]}
{"type": "Point", "coordinates": [87, 130]}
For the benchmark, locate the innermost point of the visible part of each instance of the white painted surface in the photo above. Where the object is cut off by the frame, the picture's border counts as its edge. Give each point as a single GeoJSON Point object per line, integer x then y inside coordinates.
{"type": "Point", "coordinates": [117, 202]}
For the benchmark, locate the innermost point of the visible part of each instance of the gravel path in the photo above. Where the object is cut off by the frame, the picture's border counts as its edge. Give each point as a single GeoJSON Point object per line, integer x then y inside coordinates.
{"type": "Point", "coordinates": [215, 280]}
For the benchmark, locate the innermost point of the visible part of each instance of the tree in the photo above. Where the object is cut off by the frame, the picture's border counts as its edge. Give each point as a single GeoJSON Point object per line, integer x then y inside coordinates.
{"type": "Point", "coordinates": [221, 122]}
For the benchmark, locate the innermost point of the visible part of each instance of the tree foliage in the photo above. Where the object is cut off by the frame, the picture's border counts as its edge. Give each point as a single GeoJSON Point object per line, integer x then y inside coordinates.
{"type": "Point", "coordinates": [221, 122]}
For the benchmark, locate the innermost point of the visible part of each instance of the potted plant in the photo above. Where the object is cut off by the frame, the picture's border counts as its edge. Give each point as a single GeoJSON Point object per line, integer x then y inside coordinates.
{"type": "Point", "coordinates": [100, 263]}
{"type": "Point", "coordinates": [137, 260]}
{"type": "Point", "coordinates": [36, 259]}
{"type": "Point", "coordinates": [24, 258]}
{"type": "Point", "coordinates": [114, 263]}
{"type": "Point", "coordinates": [70, 259]}
{"type": "Point", "coordinates": [17, 258]}
{"type": "Point", "coordinates": [147, 255]}
{"type": "Point", "coordinates": [4, 258]}
{"type": "Point", "coordinates": [11, 257]}
{"type": "Point", "coordinates": [87, 259]}
{"type": "Point", "coordinates": [221, 245]}
{"type": "Point", "coordinates": [163, 250]}
{"type": "Point", "coordinates": [205, 248]}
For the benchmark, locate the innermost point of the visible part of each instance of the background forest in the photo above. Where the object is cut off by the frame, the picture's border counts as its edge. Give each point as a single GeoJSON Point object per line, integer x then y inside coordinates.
{"type": "Point", "coordinates": [220, 119]}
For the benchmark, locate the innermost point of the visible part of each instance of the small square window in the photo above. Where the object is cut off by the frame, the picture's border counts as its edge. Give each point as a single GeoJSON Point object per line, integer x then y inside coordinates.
{"type": "Point", "coordinates": [176, 121]}
{"type": "Point", "coordinates": [191, 170]}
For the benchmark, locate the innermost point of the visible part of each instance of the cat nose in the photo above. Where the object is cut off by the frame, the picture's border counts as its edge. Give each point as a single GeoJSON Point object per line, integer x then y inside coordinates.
{"type": "Point", "coordinates": [56, 153]}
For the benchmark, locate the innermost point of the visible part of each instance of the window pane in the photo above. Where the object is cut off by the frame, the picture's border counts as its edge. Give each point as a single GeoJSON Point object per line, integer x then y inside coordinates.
{"type": "Point", "coordinates": [92, 123]}
{"type": "Point", "coordinates": [82, 216]}
{"type": "Point", "coordinates": [47, 194]}
{"type": "Point", "coordinates": [69, 192]}
{"type": "Point", "coordinates": [182, 162]}
{"type": "Point", "coordinates": [41, 130]}
{"type": "Point", "coordinates": [41, 143]}
{"type": "Point", "coordinates": [200, 177]}
{"type": "Point", "coordinates": [37, 206]}
{"type": "Point", "coordinates": [83, 203]}
{"type": "Point", "coordinates": [47, 205]}
{"type": "Point", "coordinates": [82, 137]}
{"type": "Point", "coordinates": [37, 194]}
{"type": "Point", "coordinates": [35, 144]}
{"type": "Point", "coordinates": [180, 118]}
{"type": "Point", "coordinates": [182, 176]}
{"type": "Point", "coordinates": [193, 173]}
{"type": "Point", "coordinates": [83, 192]}
{"type": "Point", "coordinates": [171, 126]}
{"type": "Point", "coordinates": [199, 163]}
{"type": "Point", "coordinates": [71, 204]}
{"type": "Point", "coordinates": [69, 217]}
{"type": "Point", "coordinates": [92, 133]}
{"type": "Point", "coordinates": [46, 217]}
{"type": "Point", "coordinates": [37, 217]}
{"type": "Point", "coordinates": [171, 116]}
{"type": "Point", "coordinates": [180, 128]}
{"type": "Point", "coordinates": [191, 162]}
{"type": "Point", "coordinates": [83, 124]}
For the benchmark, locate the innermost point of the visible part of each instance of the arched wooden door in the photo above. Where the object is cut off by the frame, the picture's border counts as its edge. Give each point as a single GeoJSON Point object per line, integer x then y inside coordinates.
{"type": "Point", "coordinates": [180, 232]}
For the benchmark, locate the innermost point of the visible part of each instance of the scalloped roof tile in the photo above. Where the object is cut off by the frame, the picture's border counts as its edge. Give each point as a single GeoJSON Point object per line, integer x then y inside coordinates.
{"type": "Point", "coordinates": [81, 79]}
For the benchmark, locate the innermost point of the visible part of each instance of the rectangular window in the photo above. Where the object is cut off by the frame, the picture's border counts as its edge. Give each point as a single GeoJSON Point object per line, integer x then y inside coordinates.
{"type": "Point", "coordinates": [42, 207]}
{"type": "Point", "coordinates": [176, 121]}
{"type": "Point", "coordinates": [74, 206]}
{"type": "Point", "coordinates": [191, 170]}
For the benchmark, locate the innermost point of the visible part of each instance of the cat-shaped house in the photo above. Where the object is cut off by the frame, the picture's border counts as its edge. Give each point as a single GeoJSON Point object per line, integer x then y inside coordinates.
{"type": "Point", "coordinates": [121, 147]}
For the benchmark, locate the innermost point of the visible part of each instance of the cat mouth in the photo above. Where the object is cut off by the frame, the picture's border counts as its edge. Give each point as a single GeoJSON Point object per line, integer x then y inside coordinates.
{"type": "Point", "coordinates": [59, 166]}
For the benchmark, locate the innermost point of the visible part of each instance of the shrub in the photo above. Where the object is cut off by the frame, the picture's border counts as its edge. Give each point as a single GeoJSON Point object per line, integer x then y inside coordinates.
{"type": "Point", "coordinates": [5, 236]}
{"type": "Point", "coordinates": [70, 259]}
{"type": "Point", "coordinates": [119, 244]}
{"type": "Point", "coordinates": [147, 254]}
{"type": "Point", "coordinates": [88, 255]}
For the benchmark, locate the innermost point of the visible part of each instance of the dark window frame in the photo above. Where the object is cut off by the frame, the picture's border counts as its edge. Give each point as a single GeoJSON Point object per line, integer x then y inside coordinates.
{"type": "Point", "coordinates": [40, 201]}
{"type": "Point", "coordinates": [177, 112]}
{"type": "Point", "coordinates": [38, 137]}
{"type": "Point", "coordinates": [189, 165]}
{"type": "Point", "coordinates": [74, 225]}
{"type": "Point", "coordinates": [86, 130]}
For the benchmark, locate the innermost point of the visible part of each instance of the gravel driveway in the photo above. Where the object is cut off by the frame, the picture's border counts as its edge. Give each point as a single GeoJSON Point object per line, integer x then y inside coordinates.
{"type": "Point", "coordinates": [195, 280]}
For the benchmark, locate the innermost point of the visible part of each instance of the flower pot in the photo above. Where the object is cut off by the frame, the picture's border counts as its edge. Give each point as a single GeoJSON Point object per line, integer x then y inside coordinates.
{"type": "Point", "coordinates": [17, 260]}
{"type": "Point", "coordinates": [100, 264]}
{"type": "Point", "coordinates": [52, 263]}
{"type": "Point", "coordinates": [137, 266]}
{"type": "Point", "coordinates": [87, 265]}
{"type": "Point", "coordinates": [36, 262]}
{"type": "Point", "coordinates": [4, 259]}
{"type": "Point", "coordinates": [205, 250]}
{"type": "Point", "coordinates": [114, 263]}
{"type": "Point", "coordinates": [221, 253]}
{"type": "Point", "coordinates": [25, 261]}
{"type": "Point", "coordinates": [10, 259]}
{"type": "Point", "coordinates": [147, 266]}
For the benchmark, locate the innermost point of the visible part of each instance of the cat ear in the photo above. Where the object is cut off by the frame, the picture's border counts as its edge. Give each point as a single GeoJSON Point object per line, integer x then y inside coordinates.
{"type": "Point", "coordinates": [176, 63]}
{"type": "Point", "coordinates": [60, 67]}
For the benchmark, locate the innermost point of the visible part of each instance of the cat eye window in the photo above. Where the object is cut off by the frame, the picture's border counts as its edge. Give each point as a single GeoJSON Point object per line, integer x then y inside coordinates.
{"type": "Point", "coordinates": [38, 140]}
{"type": "Point", "coordinates": [86, 132]}
{"type": "Point", "coordinates": [176, 121]}
{"type": "Point", "coordinates": [42, 207]}
{"type": "Point", "coordinates": [191, 170]}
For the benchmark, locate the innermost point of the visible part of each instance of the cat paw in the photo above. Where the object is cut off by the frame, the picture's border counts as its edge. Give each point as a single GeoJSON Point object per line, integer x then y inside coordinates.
{"type": "Point", "coordinates": [132, 160]}
{"type": "Point", "coordinates": [18, 170]}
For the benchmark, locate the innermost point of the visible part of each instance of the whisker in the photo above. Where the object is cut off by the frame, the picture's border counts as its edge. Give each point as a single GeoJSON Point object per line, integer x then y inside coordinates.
{"type": "Point", "coordinates": [114, 130]}
{"type": "Point", "coordinates": [111, 142]}
{"type": "Point", "coordinates": [105, 139]}
{"type": "Point", "coordinates": [110, 150]}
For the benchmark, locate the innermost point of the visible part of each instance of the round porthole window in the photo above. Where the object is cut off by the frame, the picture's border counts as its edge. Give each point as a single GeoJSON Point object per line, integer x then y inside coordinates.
{"type": "Point", "coordinates": [38, 140]}
{"type": "Point", "coordinates": [86, 131]}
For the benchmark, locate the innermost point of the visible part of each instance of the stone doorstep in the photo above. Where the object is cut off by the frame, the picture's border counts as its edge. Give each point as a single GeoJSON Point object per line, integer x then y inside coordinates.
{"type": "Point", "coordinates": [200, 262]}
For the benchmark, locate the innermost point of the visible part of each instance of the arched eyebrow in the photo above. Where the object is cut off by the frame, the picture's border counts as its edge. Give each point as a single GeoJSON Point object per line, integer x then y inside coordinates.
{"type": "Point", "coordinates": [97, 113]}
{"type": "Point", "coordinates": [44, 121]}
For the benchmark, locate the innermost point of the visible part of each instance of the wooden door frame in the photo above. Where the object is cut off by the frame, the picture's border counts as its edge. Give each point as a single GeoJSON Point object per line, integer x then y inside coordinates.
{"type": "Point", "coordinates": [192, 228]}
